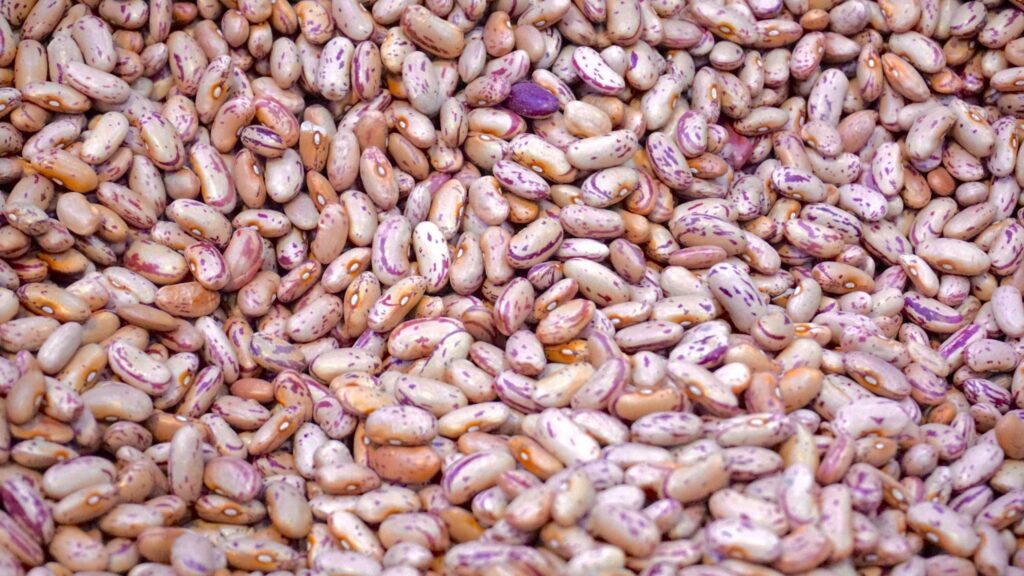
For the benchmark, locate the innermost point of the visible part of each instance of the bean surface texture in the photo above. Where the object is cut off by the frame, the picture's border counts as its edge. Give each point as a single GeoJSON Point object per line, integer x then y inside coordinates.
{"type": "Point", "coordinates": [511, 288]}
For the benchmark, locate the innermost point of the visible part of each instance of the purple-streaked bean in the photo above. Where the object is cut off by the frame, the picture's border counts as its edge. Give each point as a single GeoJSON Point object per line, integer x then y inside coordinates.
{"type": "Point", "coordinates": [629, 530]}
{"type": "Point", "coordinates": [743, 540]}
{"type": "Point", "coordinates": [25, 503]}
{"type": "Point", "coordinates": [474, 473]}
{"type": "Point", "coordinates": [943, 527]}
{"type": "Point", "coordinates": [138, 369]}
{"type": "Point", "coordinates": [595, 72]}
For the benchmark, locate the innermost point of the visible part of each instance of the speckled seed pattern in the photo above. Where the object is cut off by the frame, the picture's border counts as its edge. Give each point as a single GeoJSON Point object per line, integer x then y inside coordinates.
{"type": "Point", "coordinates": [511, 288]}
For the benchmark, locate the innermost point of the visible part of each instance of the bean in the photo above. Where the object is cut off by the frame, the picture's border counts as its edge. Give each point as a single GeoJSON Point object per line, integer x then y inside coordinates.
{"type": "Point", "coordinates": [24, 502]}
{"type": "Point", "coordinates": [943, 527]}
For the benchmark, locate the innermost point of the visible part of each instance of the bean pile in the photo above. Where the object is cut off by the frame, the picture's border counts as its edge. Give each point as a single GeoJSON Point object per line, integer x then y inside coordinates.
{"type": "Point", "coordinates": [511, 287]}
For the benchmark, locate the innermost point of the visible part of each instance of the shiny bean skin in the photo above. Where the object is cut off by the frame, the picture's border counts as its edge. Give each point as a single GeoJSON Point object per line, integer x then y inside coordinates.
{"type": "Point", "coordinates": [497, 288]}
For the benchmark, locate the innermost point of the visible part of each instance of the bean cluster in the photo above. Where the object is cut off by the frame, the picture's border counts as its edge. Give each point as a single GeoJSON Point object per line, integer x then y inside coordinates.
{"type": "Point", "coordinates": [511, 288]}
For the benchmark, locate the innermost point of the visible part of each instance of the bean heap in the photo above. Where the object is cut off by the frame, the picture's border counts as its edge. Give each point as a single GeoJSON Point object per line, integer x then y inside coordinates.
{"type": "Point", "coordinates": [511, 288]}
